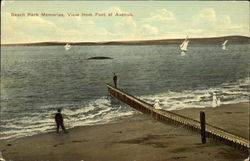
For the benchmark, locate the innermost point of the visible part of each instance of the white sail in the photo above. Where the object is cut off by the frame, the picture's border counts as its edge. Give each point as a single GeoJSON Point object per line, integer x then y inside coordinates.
{"type": "Point", "coordinates": [184, 45]}
{"type": "Point", "coordinates": [224, 45]}
{"type": "Point", "coordinates": [67, 46]}
{"type": "Point", "coordinates": [225, 42]}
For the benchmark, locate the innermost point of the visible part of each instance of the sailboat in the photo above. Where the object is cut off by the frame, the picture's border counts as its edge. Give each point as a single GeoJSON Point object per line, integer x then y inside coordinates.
{"type": "Point", "coordinates": [67, 46]}
{"type": "Point", "coordinates": [224, 45]}
{"type": "Point", "coordinates": [184, 46]}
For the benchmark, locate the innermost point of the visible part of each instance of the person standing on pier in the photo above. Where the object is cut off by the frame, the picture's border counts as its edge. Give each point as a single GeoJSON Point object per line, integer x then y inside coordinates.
{"type": "Point", "coordinates": [59, 121]}
{"type": "Point", "coordinates": [115, 80]}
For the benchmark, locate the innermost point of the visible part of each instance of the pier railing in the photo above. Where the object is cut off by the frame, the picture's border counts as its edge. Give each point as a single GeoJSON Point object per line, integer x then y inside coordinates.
{"type": "Point", "coordinates": [211, 131]}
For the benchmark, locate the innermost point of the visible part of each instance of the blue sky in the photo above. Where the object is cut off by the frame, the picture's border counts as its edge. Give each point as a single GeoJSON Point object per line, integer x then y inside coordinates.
{"type": "Point", "coordinates": [150, 20]}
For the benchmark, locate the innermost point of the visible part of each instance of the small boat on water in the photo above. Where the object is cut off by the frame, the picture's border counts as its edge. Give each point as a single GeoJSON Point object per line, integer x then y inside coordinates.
{"type": "Point", "coordinates": [67, 46]}
{"type": "Point", "coordinates": [184, 46]}
{"type": "Point", "coordinates": [224, 45]}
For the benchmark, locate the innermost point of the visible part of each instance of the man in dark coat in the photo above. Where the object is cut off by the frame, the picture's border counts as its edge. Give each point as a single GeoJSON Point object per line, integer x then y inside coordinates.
{"type": "Point", "coordinates": [59, 121]}
{"type": "Point", "coordinates": [115, 80]}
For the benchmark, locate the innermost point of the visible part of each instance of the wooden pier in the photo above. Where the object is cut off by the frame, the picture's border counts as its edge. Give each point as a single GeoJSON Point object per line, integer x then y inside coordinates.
{"type": "Point", "coordinates": [212, 132]}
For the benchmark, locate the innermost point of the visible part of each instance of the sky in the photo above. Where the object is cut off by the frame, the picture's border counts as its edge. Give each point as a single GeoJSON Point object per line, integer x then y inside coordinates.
{"type": "Point", "coordinates": [147, 20]}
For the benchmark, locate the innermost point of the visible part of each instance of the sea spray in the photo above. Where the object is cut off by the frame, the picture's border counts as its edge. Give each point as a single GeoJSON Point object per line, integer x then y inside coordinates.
{"type": "Point", "coordinates": [228, 93]}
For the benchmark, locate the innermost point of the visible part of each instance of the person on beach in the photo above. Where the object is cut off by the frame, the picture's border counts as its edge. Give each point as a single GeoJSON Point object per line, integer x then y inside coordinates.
{"type": "Point", "coordinates": [156, 105]}
{"type": "Point", "coordinates": [214, 103]}
{"type": "Point", "coordinates": [59, 121]}
{"type": "Point", "coordinates": [115, 80]}
{"type": "Point", "coordinates": [216, 100]}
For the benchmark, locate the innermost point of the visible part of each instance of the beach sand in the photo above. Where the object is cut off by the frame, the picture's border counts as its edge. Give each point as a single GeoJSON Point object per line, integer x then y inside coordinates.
{"type": "Point", "coordinates": [233, 118]}
{"type": "Point", "coordinates": [137, 138]}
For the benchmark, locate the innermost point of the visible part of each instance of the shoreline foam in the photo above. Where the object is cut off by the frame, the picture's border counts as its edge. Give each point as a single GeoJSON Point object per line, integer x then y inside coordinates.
{"type": "Point", "coordinates": [138, 137]}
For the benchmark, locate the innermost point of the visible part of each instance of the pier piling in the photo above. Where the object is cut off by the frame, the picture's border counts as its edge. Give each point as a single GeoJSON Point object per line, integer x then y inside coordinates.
{"type": "Point", "coordinates": [203, 127]}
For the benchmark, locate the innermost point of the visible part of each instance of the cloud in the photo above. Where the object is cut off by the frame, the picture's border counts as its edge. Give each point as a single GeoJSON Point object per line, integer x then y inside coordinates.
{"type": "Point", "coordinates": [226, 26]}
{"type": "Point", "coordinates": [213, 24]}
{"type": "Point", "coordinates": [114, 9]}
{"type": "Point", "coordinates": [119, 28]}
{"type": "Point", "coordinates": [193, 31]}
{"type": "Point", "coordinates": [209, 17]}
{"type": "Point", "coordinates": [224, 20]}
{"type": "Point", "coordinates": [162, 15]}
{"type": "Point", "coordinates": [17, 29]}
{"type": "Point", "coordinates": [16, 36]}
{"type": "Point", "coordinates": [149, 30]}
{"type": "Point", "coordinates": [126, 22]}
{"type": "Point", "coordinates": [207, 22]}
{"type": "Point", "coordinates": [207, 14]}
{"type": "Point", "coordinates": [206, 18]}
{"type": "Point", "coordinates": [233, 30]}
{"type": "Point", "coordinates": [36, 29]}
{"type": "Point", "coordinates": [235, 27]}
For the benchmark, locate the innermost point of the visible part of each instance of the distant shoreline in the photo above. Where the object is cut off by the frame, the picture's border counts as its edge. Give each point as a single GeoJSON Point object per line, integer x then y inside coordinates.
{"type": "Point", "coordinates": [212, 40]}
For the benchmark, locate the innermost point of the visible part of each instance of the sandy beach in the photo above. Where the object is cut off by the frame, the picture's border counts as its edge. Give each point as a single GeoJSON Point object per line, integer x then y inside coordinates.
{"type": "Point", "coordinates": [233, 118]}
{"type": "Point", "coordinates": [136, 138]}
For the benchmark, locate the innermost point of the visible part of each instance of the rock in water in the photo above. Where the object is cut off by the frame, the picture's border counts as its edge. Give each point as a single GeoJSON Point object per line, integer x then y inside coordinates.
{"type": "Point", "coordinates": [99, 58]}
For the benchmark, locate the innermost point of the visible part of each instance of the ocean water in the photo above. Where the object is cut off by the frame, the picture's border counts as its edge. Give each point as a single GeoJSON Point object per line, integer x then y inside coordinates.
{"type": "Point", "coordinates": [37, 80]}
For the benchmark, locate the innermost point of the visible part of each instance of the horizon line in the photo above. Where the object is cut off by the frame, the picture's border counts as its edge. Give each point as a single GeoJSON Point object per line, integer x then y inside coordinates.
{"type": "Point", "coordinates": [121, 40]}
